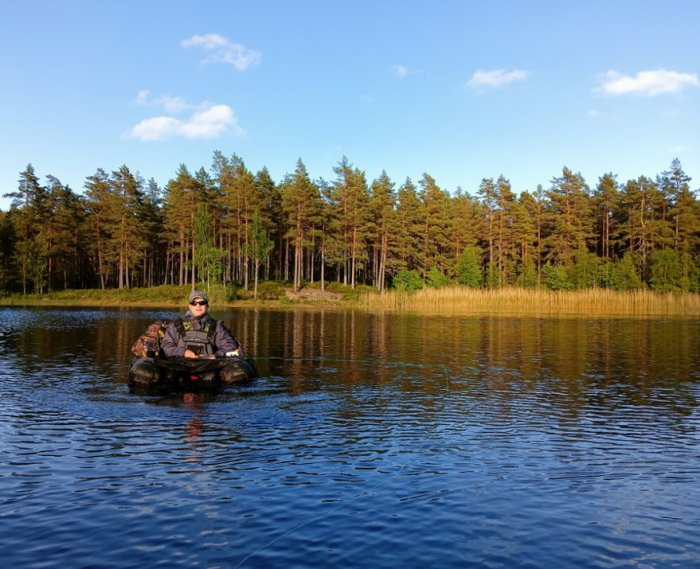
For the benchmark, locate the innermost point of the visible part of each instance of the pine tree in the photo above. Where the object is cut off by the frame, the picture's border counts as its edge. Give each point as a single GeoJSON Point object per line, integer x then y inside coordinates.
{"type": "Point", "coordinates": [606, 200]}
{"type": "Point", "coordinates": [260, 246]}
{"type": "Point", "coordinates": [98, 192]}
{"type": "Point", "coordinates": [271, 217]}
{"type": "Point", "coordinates": [643, 226]}
{"type": "Point", "coordinates": [436, 227]}
{"type": "Point", "coordinates": [182, 195]}
{"type": "Point", "coordinates": [206, 256]}
{"type": "Point", "coordinates": [240, 196]}
{"type": "Point", "coordinates": [153, 223]}
{"type": "Point", "coordinates": [382, 203]}
{"type": "Point", "coordinates": [570, 218]}
{"type": "Point", "coordinates": [489, 202]}
{"type": "Point", "coordinates": [466, 222]}
{"type": "Point", "coordinates": [7, 247]}
{"type": "Point", "coordinates": [684, 213]}
{"type": "Point", "coordinates": [409, 217]}
{"type": "Point", "coordinates": [527, 224]}
{"type": "Point", "coordinates": [505, 242]}
{"type": "Point", "coordinates": [28, 205]}
{"type": "Point", "coordinates": [62, 215]}
{"type": "Point", "coordinates": [301, 204]}
{"type": "Point", "coordinates": [350, 199]}
{"type": "Point", "coordinates": [127, 240]}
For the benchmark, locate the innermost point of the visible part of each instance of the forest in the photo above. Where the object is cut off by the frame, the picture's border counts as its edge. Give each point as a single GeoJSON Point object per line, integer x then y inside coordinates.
{"type": "Point", "coordinates": [229, 224]}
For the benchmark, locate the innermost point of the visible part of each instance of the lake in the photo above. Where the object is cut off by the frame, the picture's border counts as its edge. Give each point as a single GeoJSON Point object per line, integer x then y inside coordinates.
{"type": "Point", "coordinates": [367, 441]}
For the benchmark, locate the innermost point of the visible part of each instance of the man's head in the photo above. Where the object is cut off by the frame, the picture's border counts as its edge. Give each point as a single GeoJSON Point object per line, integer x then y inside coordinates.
{"type": "Point", "coordinates": [199, 302]}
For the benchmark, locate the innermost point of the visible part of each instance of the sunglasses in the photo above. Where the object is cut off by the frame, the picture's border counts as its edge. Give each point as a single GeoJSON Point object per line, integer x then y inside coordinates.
{"type": "Point", "coordinates": [198, 303]}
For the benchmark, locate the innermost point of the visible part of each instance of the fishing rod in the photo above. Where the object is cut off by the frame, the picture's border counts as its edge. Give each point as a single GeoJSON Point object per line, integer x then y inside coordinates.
{"type": "Point", "coordinates": [365, 361]}
{"type": "Point", "coordinates": [347, 360]}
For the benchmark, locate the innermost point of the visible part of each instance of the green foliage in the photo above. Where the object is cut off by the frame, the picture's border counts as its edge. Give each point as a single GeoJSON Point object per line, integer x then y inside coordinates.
{"type": "Point", "coordinates": [667, 272]}
{"type": "Point", "coordinates": [571, 217]}
{"type": "Point", "coordinates": [407, 280]}
{"type": "Point", "coordinates": [469, 267]}
{"type": "Point", "coordinates": [556, 277]}
{"type": "Point", "coordinates": [231, 225]}
{"type": "Point", "coordinates": [528, 275]}
{"type": "Point", "coordinates": [695, 275]}
{"type": "Point", "coordinates": [259, 244]}
{"type": "Point", "coordinates": [436, 278]}
{"type": "Point", "coordinates": [34, 254]}
{"type": "Point", "coordinates": [437, 224]}
{"type": "Point", "coordinates": [301, 202]}
{"type": "Point", "coordinates": [207, 257]}
{"type": "Point", "coordinates": [624, 275]}
{"type": "Point", "coordinates": [584, 272]}
{"type": "Point", "coordinates": [271, 290]}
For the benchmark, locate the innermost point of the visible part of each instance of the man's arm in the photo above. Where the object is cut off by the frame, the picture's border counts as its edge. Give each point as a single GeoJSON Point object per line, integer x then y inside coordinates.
{"type": "Point", "coordinates": [225, 342]}
{"type": "Point", "coordinates": [169, 343]}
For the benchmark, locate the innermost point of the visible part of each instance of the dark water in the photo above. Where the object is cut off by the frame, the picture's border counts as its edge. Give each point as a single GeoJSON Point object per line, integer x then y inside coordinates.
{"type": "Point", "coordinates": [368, 441]}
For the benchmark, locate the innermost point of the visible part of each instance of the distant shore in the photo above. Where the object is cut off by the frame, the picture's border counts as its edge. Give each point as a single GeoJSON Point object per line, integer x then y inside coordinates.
{"type": "Point", "coordinates": [528, 302]}
{"type": "Point", "coordinates": [449, 300]}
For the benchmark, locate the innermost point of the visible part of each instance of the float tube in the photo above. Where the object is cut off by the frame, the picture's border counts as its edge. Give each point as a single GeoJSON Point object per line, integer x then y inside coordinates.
{"type": "Point", "coordinates": [190, 373]}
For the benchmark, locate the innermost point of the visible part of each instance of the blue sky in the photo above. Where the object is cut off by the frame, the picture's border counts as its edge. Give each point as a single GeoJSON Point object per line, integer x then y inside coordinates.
{"type": "Point", "coordinates": [461, 90]}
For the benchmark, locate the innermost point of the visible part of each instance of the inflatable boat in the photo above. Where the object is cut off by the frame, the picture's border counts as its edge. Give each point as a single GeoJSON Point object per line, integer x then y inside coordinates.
{"type": "Point", "coordinates": [190, 373]}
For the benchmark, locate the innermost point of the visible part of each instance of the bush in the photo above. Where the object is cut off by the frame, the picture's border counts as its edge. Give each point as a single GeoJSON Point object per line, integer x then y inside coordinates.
{"type": "Point", "coordinates": [667, 271]}
{"type": "Point", "coordinates": [528, 275]}
{"type": "Point", "coordinates": [695, 276]}
{"type": "Point", "coordinates": [408, 281]}
{"type": "Point", "coordinates": [585, 272]}
{"type": "Point", "coordinates": [436, 279]}
{"type": "Point", "coordinates": [469, 268]}
{"type": "Point", "coordinates": [624, 275]}
{"type": "Point", "coordinates": [556, 277]}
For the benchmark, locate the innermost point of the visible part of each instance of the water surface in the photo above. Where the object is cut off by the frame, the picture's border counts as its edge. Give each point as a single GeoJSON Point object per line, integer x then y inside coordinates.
{"type": "Point", "coordinates": [368, 441]}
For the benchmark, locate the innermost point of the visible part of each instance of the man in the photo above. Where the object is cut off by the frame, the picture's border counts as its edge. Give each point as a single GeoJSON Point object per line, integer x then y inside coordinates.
{"type": "Point", "coordinates": [197, 335]}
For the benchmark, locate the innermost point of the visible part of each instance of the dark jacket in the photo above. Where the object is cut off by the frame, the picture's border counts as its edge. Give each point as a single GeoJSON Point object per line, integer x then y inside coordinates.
{"type": "Point", "coordinates": [206, 335]}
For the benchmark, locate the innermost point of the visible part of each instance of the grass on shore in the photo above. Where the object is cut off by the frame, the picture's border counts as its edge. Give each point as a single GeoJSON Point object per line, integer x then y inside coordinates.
{"type": "Point", "coordinates": [155, 296]}
{"type": "Point", "coordinates": [518, 301]}
{"type": "Point", "coordinates": [450, 300]}
{"type": "Point", "coordinates": [270, 293]}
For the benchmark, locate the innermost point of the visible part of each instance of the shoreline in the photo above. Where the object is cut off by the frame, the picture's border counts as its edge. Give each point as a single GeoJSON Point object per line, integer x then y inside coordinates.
{"type": "Point", "coordinates": [447, 301]}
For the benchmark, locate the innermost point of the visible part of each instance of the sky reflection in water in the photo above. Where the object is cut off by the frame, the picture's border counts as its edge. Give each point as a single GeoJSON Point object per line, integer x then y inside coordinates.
{"type": "Point", "coordinates": [368, 440]}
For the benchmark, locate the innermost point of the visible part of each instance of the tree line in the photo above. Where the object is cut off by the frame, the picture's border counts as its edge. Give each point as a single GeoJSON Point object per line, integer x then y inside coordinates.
{"type": "Point", "coordinates": [229, 224]}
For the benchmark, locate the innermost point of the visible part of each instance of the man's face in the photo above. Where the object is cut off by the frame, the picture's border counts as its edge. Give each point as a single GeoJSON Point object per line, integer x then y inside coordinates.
{"type": "Point", "coordinates": [198, 307]}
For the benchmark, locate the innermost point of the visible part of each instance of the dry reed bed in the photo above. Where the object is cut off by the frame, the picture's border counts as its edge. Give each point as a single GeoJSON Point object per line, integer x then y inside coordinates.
{"type": "Point", "coordinates": [516, 301]}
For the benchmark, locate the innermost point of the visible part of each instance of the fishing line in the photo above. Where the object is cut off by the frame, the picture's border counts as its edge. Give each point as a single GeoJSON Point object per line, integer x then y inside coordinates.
{"type": "Point", "coordinates": [365, 491]}
{"type": "Point", "coordinates": [320, 517]}
{"type": "Point", "coordinates": [367, 361]}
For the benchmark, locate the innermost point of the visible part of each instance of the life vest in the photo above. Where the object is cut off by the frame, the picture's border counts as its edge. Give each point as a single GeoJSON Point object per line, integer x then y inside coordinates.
{"type": "Point", "coordinates": [148, 343]}
{"type": "Point", "coordinates": [201, 342]}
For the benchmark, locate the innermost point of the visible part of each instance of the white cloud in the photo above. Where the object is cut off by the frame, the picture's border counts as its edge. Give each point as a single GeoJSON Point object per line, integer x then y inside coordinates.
{"type": "Point", "coordinates": [400, 71]}
{"type": "Point", "coordinates": [221, 50]}
{"type": "Point", "coordinates": [166, 102]}
{"type": "Point", "coordinates": [142, 97]}
{"type": "Point", "coordinates": [210, 121]}
{"type": "Point", "coordinates": [207, 41]}
{"type": "Point", "coordinates": [156, 128]}
{"type": "Point", "coordinates": [593, 114]}
{"type": "Point", "coordinates": [496, 78]}
{"type": "Point", "coordinates": [648, 83]}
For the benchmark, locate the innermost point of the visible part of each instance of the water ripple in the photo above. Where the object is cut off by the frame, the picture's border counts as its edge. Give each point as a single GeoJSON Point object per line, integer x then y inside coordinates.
{"type": "Point", "coordinates": [491, 456]}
